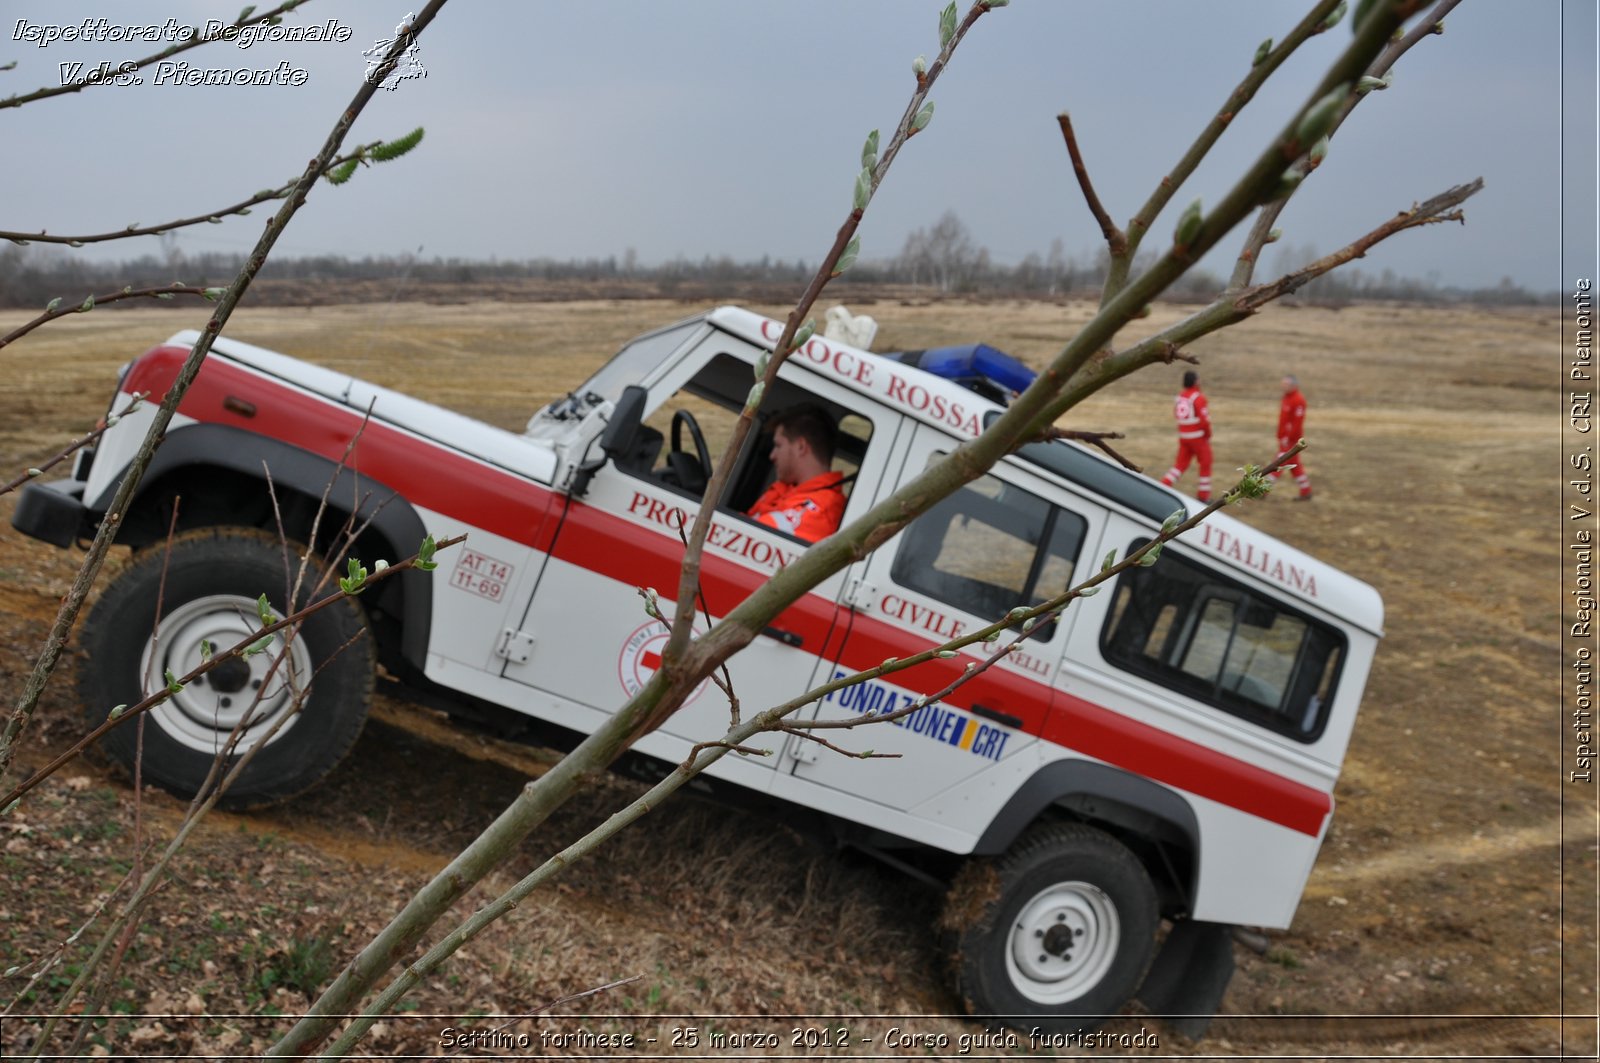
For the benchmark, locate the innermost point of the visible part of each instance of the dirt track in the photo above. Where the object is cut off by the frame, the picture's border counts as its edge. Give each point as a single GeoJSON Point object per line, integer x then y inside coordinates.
{"type": "Point", "coordinates": [1451, 911]}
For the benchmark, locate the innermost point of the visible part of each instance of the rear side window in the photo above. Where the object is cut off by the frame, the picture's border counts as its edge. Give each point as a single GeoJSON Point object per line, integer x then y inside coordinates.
{"type": "Point", "coordinates": [1206, 636]}
{"type": "Point", "coordinates": [990, 547]}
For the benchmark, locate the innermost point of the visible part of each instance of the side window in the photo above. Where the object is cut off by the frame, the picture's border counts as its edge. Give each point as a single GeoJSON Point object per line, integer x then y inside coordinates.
{"type": "Point", "coordinates": [1206, 636]}
{"type": "Point", "coordinates": [988, 548]}
{"type": "Point", "coordinates": [684, 438]}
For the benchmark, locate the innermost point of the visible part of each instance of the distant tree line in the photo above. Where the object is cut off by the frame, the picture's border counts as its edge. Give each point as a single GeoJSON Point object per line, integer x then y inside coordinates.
{"type": "Point", "coordinates": [943, 258]}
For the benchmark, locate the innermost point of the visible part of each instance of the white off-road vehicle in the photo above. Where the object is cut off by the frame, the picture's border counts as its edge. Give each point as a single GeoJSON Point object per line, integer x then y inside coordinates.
{"type": "Point", "coordinates": [1164, 753]}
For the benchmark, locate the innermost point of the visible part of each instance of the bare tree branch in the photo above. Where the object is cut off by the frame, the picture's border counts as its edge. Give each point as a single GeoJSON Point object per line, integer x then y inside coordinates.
{"type": "Point", "coordinates": [361, 155]}
{"type": "Point", "coordinates": [1314, 22]}
{"type": "Point", "coordinates": [56, 311]}
{"type": "Point", "coordinates": [1261, 230]}
{"type": "Point", "coordinates": [50, 654]}
{"type": "Point", "coordinates": [911, 122]}
{"type": "Point", "coordinates": [1116, 239]}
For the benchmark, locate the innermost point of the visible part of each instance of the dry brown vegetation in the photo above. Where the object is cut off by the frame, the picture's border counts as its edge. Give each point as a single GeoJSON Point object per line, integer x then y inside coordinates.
{"type": "Point", "coordinates": [1435, 912]}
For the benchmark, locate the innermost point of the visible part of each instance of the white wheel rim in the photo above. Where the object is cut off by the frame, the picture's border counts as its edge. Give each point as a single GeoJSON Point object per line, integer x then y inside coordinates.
{"type": "Point", "coordinates": [205, 712]}
{"type": "Point", "coordinates": [1063, 942]}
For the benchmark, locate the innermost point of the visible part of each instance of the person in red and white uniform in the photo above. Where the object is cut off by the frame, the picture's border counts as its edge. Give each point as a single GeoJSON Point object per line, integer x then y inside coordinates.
{"type": "Point", "coordinates": [1291, 427]}
{"type": "Point", "coordinates": [806, 499]}
{"type": "Point", "coordinates": [1194, 435]}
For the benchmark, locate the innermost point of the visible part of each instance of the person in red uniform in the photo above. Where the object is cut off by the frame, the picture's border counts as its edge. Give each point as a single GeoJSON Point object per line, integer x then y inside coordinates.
{"type": "Point", "coordinates": [806, 499]}
{"type": "Point", "coordinates": [1291, 427]}
{"type": "Point", "coordinates": [1194, 435]}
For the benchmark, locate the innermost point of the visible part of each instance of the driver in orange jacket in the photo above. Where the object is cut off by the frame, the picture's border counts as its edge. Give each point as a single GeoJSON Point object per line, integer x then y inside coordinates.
{"type": "Point", "coordinates": [1194, 435]}
{"type": "Point", "coordinates": [806, 499]}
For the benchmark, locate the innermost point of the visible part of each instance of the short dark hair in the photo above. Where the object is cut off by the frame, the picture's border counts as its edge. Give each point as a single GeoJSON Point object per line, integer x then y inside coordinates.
{"type": "Point", "coordinates": [808, 421]}
{"type": "Point", "coordinates": [1191, 378]}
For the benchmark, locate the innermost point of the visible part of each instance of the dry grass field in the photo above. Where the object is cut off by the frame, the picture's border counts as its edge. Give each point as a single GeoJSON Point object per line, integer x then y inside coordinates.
{"type": "Point", "coordinates": [1450, 913]}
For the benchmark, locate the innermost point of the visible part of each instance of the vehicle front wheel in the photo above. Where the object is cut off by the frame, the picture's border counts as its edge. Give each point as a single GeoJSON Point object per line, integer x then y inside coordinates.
{"type": "Point", "coordinates": [1060, 930]}
{"type": "Point", "coordinates": [302, 700]}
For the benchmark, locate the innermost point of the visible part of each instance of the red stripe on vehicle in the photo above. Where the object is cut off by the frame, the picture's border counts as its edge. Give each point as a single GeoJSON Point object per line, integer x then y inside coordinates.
{"type": "Point", "coordinates": [1096, 731]}
{"type": "Point", "coordinates": [425, 473]}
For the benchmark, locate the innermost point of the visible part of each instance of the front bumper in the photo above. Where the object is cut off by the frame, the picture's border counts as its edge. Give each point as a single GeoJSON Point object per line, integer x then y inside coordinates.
{"type": "Point", "coordinates": [53, 512]}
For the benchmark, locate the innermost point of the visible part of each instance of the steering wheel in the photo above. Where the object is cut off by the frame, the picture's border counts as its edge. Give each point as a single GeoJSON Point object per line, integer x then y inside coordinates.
{"type": "Point", "coordinates": [690, 470]}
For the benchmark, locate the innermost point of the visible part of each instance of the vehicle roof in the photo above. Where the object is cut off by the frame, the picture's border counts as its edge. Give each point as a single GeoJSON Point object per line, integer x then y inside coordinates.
{"type": "Point", "coordinates": [953, 408]}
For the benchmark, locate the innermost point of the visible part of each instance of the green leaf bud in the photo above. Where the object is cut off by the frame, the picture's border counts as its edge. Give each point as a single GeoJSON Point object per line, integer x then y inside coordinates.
{"type": "Point", "coordinates": [1335, 15]}
{"type": "Point", "coordinates": [51, 306]}
{"type": "Point", "coordinates": [1017, 613]}
{"type": "Point", "coordinates": [757, 391]}
{"type": "Point", "coordinates": [395, 148]}
{"type": "Point", "coordinates": [763, 360]}
{"type": "Point", "coordinates": [805, 332]}
{"type": "Point", "coordinates": [35, 472]}
{"type": "Point", "coordinates": [87, 305]}
{"type": "Point", "coordinates": [343, 172]}
{"type": "Point", "coordinates": [1273, 236]}
{"type": "Point", "coordinates": [1151, 557]}
{"type": "Point", "coordinates": [947, 654]}
{"type": "Point", "coordinates": [863, 190]}
{"type": "Point", "coordinates": [264, 611]}
{"type": "Point", "coordinates": [947, 24]}
{"type": "Point", "coordinates": [924, 116]}
{"type": "Point", "coordinates": [215, 294]}
{"type": "Point", "coordinates": [117, 710]}
{"type": "Point", "coordinates": [919, 66]}
{"type": "Point", "coordinates": [206, 649]}
{"type": "Point", "coordinates": [1263, 50]}
{"type": "Point", "coordinates": [173, 686]}
{"type": "Point", "coordinates": [1319, 117]}
{"type": "Point", "coordinates": [1189, 224]}
{"type": "Point", "coordinates": [1288, 183]}
{"type": "Point", "coordinates": [1318, 152]}
{"type": "Point", "coordinates": [1088, 592]}
{"type": "Point", "coordinates": [1173, 521]}
{"type": "Point", "coordinates": [1111, 560]}
{"type": "Point", "coordinates": [847, 257]}
{"type": "Point", "coordinates": [869, 151]}
{"type": "Point", "coordinates": [425, 561]}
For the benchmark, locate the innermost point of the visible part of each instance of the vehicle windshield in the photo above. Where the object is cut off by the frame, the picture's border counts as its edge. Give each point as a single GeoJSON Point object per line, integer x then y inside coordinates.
{"type": "Point", "coordinates": [639, 357]}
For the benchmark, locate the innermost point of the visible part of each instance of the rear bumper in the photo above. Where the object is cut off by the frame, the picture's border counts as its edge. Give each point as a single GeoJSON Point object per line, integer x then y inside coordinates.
{"type": "Point", "coordinates": [53, 512]}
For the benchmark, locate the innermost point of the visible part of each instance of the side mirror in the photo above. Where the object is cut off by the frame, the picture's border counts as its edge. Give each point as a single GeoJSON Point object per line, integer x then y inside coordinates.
{"type": "Point", "coordinates": [623, 429]}
{"type": "Point", "coordinates": [617, 440]}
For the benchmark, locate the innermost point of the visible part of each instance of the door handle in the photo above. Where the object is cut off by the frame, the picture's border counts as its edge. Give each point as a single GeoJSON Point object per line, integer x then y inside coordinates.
{"type": "Point", "coordinates": [788, 638]}
{"type": "Point", "coordinates": [997, 716]}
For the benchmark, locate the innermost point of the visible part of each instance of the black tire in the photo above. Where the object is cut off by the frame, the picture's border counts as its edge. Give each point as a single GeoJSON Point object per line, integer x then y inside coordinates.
{"type": "Point", "coordinates": [1057, 933]}
{"type": "Point", "coordinates": [213, 578]}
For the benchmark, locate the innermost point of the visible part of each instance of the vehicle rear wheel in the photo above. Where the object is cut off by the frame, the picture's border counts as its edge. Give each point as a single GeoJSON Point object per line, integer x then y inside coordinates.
{"type": "Point", "coordinates": [1061, 929]}
{"type": "Point", "coordinates": [302, 700]}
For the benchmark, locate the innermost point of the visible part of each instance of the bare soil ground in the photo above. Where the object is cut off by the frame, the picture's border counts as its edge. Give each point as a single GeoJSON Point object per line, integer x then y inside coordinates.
{"type": "Point", "coordinates": [1450, 913]}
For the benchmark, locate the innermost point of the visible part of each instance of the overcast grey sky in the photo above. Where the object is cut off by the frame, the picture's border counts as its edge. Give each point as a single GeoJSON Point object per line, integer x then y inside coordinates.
{"type": "Point", "coordinates": [711, 127]}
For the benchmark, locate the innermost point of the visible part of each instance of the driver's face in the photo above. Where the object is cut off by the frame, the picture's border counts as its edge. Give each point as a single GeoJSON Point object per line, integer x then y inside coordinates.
{"type": "Point", "coordinates": [785, 456]}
